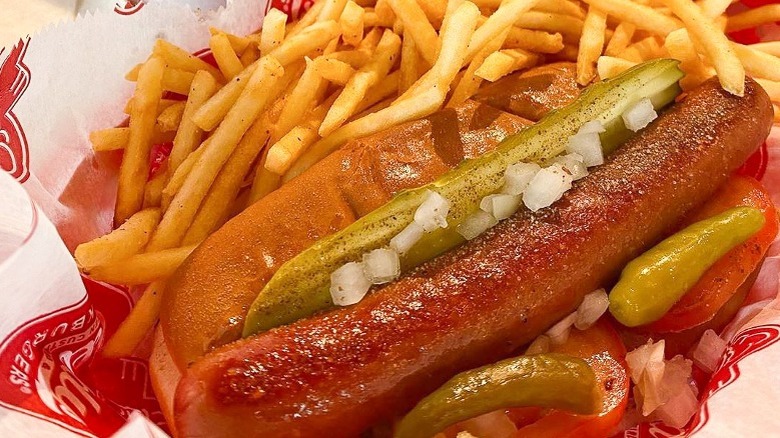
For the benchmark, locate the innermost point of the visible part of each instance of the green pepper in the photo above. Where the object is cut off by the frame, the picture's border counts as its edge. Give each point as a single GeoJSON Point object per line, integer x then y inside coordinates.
{"type": "Point", "coordinates": [301, 286]}
{"type": "Point", "coordinates": [652, 283]}
{"type": "Point", "coordinates": [548, 380]}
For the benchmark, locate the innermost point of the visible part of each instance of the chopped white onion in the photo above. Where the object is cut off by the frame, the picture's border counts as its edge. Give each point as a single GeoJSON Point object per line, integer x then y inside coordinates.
{"type": "Point", "coordinates": [517, 177]}
{"type": "Point", "coordinates": [593, 306]}
{"type": "Point", "coordinates": [382, 265]}
{"type": "Point", "coordinates": [476, 224]}
{"type": "Point", "coordinates": [591, 127]}
{"type": "Point", "coordinates": [588, 145]}
{"type": "Point", "coordinates": [572, 163]}
{"type": "Point", "coordinates": [349, 284]}
{"type": "Point", "coordinates": [500, 205]}
{"type": "Point", "coordinates": [638, 359]}
{"type": "Point", "coordinates": [639, 115]}
{"type": "Point", "coordinates": [540, 345]}
{"type": "Point", "coordinates": [680, 401]}
{"type": "Point", "coordinates": [709, 351]}
{"type": "Point", "coordinates": [405, 240]}
{"type": "Point", "coordinates": [546, 187]}
{"type": "Point", "coordinates": [651, 387]}
{"type": "Point", "coordinates": [495, 424]}
{"type": "Point", "coordinates": [432, 213]}
{"type": "Point", "coordinates": [559, 333]}
{"type": "Point", "coordinates": [462, 434]}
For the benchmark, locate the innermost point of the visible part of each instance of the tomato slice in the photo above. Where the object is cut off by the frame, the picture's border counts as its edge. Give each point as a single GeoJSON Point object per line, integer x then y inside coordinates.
{"type": "Point", "coordinates": [725, 277]}
{"type": "Point", "coordinates": [602, 348]}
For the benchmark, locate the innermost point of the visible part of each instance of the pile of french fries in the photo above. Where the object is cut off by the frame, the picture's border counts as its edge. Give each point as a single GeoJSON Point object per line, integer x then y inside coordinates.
{"type": "Point", "coordinates": [284, 98]}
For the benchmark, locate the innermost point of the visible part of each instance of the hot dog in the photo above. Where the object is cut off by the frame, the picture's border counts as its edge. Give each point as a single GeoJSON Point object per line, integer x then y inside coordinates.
{"type": "Point", "coordinates": [340, 372]}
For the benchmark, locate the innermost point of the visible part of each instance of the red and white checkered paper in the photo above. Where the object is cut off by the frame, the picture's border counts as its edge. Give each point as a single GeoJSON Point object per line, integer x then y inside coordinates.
{"type": "Point", "coordinates": [56, 87]}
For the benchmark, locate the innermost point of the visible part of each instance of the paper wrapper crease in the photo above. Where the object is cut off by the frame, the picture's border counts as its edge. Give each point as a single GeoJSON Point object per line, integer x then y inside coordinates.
{"type": "Point", "coordinates": [60, 84]}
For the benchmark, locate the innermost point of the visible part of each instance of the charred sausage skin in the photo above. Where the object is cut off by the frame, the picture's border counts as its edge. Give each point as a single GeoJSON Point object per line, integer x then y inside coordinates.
{"type": "Point", "coordinates": [338, 373]}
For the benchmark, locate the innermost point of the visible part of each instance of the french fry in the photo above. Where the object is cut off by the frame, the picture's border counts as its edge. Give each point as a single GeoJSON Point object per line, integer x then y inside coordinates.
{"type": "Point", "coordinates": [608, 66]}
{"type": "Point", "coordinates": [533, 40]}
{"type": "Point", "coordinates": [417, 106]}
{"type": "Point", "coordinates": [315, 37]}
{"type": "Point", "coordinates": [306, 20]}
{"type": "Point", "coordinates": [237, 43]}
{"type": "Point", "coordinates": [502, 19]}
{"type": "Point", "coordinates": [385, 11]}
{"type": "Point", "coordinates": [331, 10]}
{"type": "Point", "coordinates": [177, 81]}
{"type": "Point", "coordinates": [178, 58]}
{"type": "Point", "coordinates": [714, 8]}
{"type": "Point", "coordinates": [142, 268]}
{"type": "Point", "coordinates": [169, 118]}
{"type": "Point", "coordinates": [250, 55]}
{"type": "Point", "coordinates": [302, 98]}
{"type": "Point", "coordinates": [436, 9]}
{"type": "Point", "coordinates": [135, 163]}
{"type": "Point", "coordinates": [776, 109]}
{"type": "Point", "coordinates": [372, 19]}
{"type": "Point", "coordinates": [216, 206]}
{"type": "Point", "coordinates": [333, 70]}
{"type": "Point", "coordinates": [469, 83]}
{"type": "Point", "coordinates": [754, 17]}
{"type": "Point", "coordinates": [714, 43]}
{"type": "Point", "coordinates": [771, 47]}
{"type": "Point", "coordinates": [561, 7]}
{"type": "Point", "coordinates": [758, 63]}
{"type": "Point", "coordinates": [374, 108]}
{"type": "Point", "coordinates": [624, 32]}
{"type": "Point", "coordinates": [501, 63]}
{"type": "Point", "coordinates": [384, 89]}
{"type": "Point", "coordinates": [410, 63]}
{"type": "Point", "coordinates": [772, 88]}
{"type": "Point", "coordinates": [212, 111]}
{"type": "Point", "coordinates": [641, 16]}
{"type": "Point", "coordinates": [649, 48]}
{"type": "Point", "coordinates": [416, 24]}
{"type": "Point", "coordinates": [134, 328]}
{"type": "Point", "coordinates": [153, 190]}
{"type": "Point", "coordinates": [179, 175]}
{"type": "Point", "coordinates": [109, 139]}
{"type": "Point", "coordinates": [264, 183]}
{"type": "Point", "coordinates": [226, 57]}
{"type": "Point", "coordinates": [129, 239]}
{"type": "Point", "coordinates": [680, 47]}
{"type": "Point", "coordinates": [591, 44]}
{"type": "Point", "coordinates": [355, 90]}
{"type": "Point", "coordinates": [272, 33]}
{"type": "Point", "coordinates": [569, 53]}
{"type": "Point", "coordinates": [254, 98]}
{"type": "Point", "coordinates": [355, 58]}
{"type": "Point", "coordinates": [189, 134]}
{"type": "Point", "coordinates": [351, 22]}
{"type": "Point", "coordinates": [566, 25]}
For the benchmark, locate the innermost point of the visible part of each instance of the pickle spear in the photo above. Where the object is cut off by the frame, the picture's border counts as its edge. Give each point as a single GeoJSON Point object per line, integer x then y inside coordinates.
{"type": "Point", "coordinates": [301, 286]}
{"type": "Point", "coordinates": [549, 380]}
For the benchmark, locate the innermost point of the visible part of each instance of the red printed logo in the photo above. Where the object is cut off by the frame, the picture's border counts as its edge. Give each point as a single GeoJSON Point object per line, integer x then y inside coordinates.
{"type": "Point", "coordinates": [128, 7]}
{"type": "Point", "coordinates": [51, 370]}
{"type": "Point", "coordinates": [14, 80]}
{"type": "Point", "coordinates": [744, 344]}
{"type": "Point", "coordinates": [756, 164]}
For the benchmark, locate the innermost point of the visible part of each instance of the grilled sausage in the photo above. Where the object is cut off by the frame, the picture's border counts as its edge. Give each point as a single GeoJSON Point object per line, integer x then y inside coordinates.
{"type": "Point", "coordinates": [340, 372]}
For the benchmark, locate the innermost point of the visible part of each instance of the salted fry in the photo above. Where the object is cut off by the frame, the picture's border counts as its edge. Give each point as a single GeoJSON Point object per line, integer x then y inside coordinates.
{"type": "Point", "coordinates": [410, 63]}
{"type": "Point", "coordinates": [315, 37]}
{"type": "Point", "coordinates": [216, 206]}
{"type": "Point", "coordinates": [680, 47]}
{"type": "Point", "coordinates": [355, 90]}
{"type": "Point", "coordinates": [141, 268]}
{"type": "Point", "coordinates": [301, 99]}
{"type": "Point", "coordinates": [561, 7]}
{"type": "Point", "coordinates": [109, 139]}
{"type": "Point", "coordinates": [285, 151]}
{"type": "Point", "coordinates": [641, 16]}
{"type": "Point", "coordinates": [503, 18]}
{"type": "Point", "coordinates": [153, 190]}
{"type": "Point", "coordinates": [134, 328]}
{"type": "Point", "coordinates": [254, 98]}
{"type": "Point", "coordinates": [714, 43]}
{"type": "Point", "coordinates": [355, 58]}
{"type": "Point", "coordinates": [331, 10]}
{"type": "Point", "coordinates": [533, 40]}
{"type": "Point", "coordinates": [129, 239]}
{"type": "Point", "coordinates": [591, 44]}
{"type": "Point", "coordinates": [177, 81]}
{"type": "Point", "coordinates": [250, 55]}
{"type": "Point", "coordinates": [413, 108]}
{"type": "Point", "coordinates": [470, 82]}
{"type": "Point", "coordinates": [608, 66]}
{"type": "Point", "coordinates": [135, 163]}
{"type": "Point", "coordinates": [237, 43]}
{"type": "Point", "coordinates": [351, 22]}
{"type": "Point", "coordinates": [226, 57]}
{"type": "Point", "coordinates": [306, 20]}
{"type": "Point", "coordinates": [714, 8]}
{"type": "Point", "coordinates": [624, 32]}
{"type": "Point", "coordinates": [758, 63]}
{"type": "Point", "coordinates": [416, 24]}
{"type": "Point", "coordinates": [189, 134]}
{"type": "Point", "coordinates": [648, 48]}
{"type": "Point", "coordinates": [272, 33]}
{"type": "Point", "coordinates": [771, 47]}
{"type": "Point", "coordinates": [169, 118]}
{"type": "Point", "coordinates": [501, 63]}
{"type": "Point", "coordinates": [754, 17]}
{"type": "Point", "coordinates": [333, 70]}
{"type": "Point", "coordinates": [208, 116]}
{"type": "Point", "coordinates": [551, 22]}
{"type": "Point", "coordinates": [179, 175]}
{"type": "Point", "coordinates": [178, 58]}
{"type": "Point", "coordinates": [372, 19]}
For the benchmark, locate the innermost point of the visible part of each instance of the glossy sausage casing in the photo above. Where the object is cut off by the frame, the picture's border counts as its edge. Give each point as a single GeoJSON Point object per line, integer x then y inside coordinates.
{"type": "Point", "coordinates": [338, 373]}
